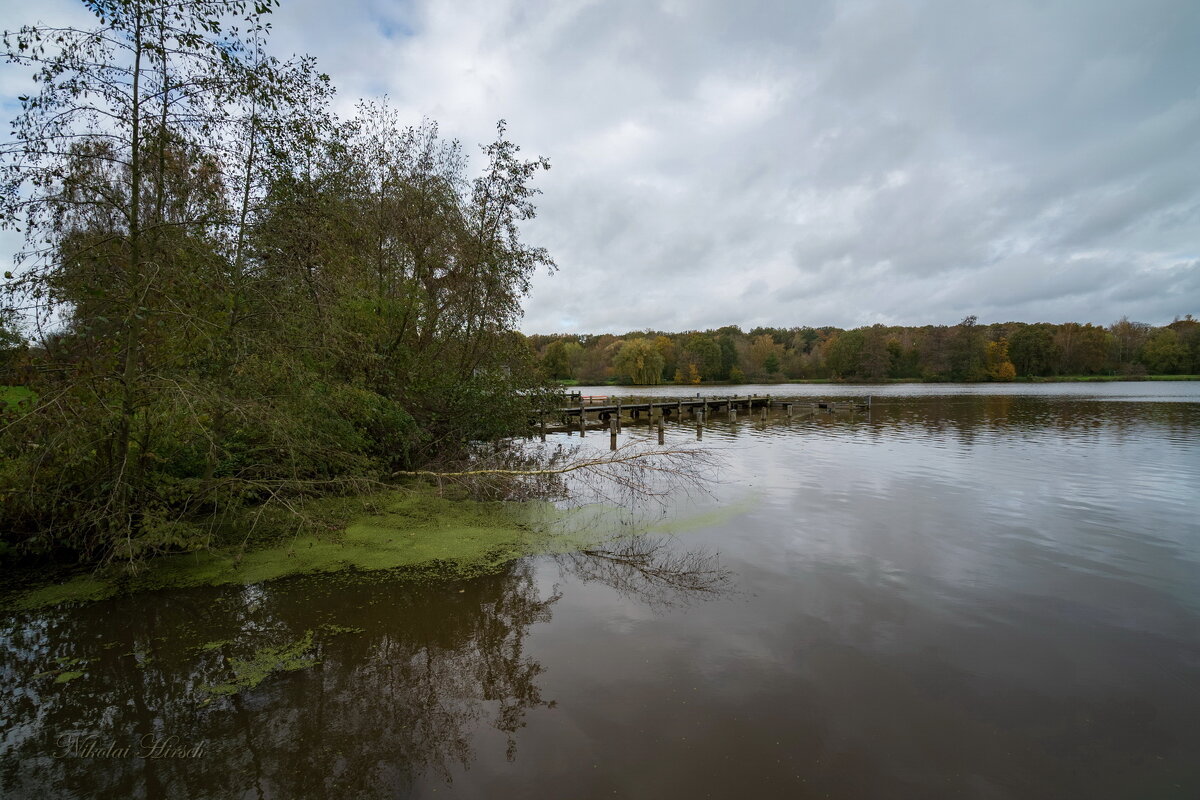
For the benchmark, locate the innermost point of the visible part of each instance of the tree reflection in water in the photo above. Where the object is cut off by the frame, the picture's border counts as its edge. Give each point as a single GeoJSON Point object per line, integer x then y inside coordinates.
{"type": "Point", "coordinates": [651, 569]}
{"type": "Point", "coordinates": [409, 668]}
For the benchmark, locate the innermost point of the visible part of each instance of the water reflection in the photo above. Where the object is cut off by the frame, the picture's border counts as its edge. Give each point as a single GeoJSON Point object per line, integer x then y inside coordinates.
{"type": "Point", "coordinates": [652, 569]}
{"type": "Point", "coordinates": [397, 675]}
{"type": "Point", "coordinates": [985, 595]}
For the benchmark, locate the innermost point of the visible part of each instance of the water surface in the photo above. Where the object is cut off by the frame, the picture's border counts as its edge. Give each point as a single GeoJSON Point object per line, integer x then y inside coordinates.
{"type": "Point", "coordinates": [969, 592]}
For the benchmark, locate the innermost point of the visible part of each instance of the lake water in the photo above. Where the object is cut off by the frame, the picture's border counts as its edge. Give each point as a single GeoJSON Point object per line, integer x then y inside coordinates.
{"type": "Point", "coordinates": [969, 592]}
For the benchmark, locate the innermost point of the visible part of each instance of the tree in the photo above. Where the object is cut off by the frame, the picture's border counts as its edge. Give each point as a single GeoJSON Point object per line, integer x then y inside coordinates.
{"type": "Point", "coordinates": [967, 351]}
{"type": "Point", "coordinates": [843, 354]}
{"type": "Point", "coordinates": [999, 367]}
{"type": "Point", "coordinates": [11, 345]}
{"type": "Point", "coordinates": [1188, 331]}
{"type": "Point", "coordinates": [639, 361]}
{"type": "Point", "coordinates": [238, 299]}
{"type": "Point", "coordinates": [1128, 339]}
{"type": "Point", "coordinates": [556, 362]}
{"type": "Point", "coordinates": [114, 174]}
{"type": "Point", "coordinates": [666, 347]}
{"type": "Point", "coordinates": [704, 353]}
{"type": "Point", "coordinates": [762, 348]}
{"type": "Point", "coordinates": [729, 359]}
{"type": "Point", "coordinates": [1032, 349]}
{"type": "Point", "coordinates": [876, 358]}
{"type": "Point", "coordinates": [1163, 352]}
{"type": "Point", "coordinates": [1082, 349]}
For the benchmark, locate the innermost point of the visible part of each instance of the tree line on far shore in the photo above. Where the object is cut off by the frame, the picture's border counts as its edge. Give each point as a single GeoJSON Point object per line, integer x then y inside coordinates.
{"type": "Point", "coordinates": [968, 351]}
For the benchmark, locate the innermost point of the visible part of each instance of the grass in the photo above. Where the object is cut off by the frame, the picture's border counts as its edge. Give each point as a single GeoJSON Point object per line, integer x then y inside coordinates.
{"type": "Point", "coordinates": [13, 395]}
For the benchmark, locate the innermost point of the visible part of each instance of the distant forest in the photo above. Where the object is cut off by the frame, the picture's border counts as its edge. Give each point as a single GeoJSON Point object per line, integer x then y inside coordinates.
{"type": "Point", "coordinates": [967, 351]}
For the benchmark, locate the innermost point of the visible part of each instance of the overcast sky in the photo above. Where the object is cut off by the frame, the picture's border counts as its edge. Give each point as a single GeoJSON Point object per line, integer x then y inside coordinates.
{"type": "Point", "coordinates": [811, 163]}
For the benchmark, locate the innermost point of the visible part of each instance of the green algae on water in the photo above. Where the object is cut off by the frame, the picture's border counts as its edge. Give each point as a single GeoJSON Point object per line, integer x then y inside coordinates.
{"type": "Point", "coordinates": [265, 662]}
{"type": "Point", "coordinates": [441, 537]}
{"type": "Point", "coordinates": [404, 529]}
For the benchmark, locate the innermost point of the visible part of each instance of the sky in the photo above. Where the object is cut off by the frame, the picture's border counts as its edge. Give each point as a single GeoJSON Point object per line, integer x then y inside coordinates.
{"type": "Point", "coordinates": [807, 162]}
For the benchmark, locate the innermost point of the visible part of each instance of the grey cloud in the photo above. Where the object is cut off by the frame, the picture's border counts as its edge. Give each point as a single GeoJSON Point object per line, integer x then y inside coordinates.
{"type": "Point", "coordinates": [839, 162]}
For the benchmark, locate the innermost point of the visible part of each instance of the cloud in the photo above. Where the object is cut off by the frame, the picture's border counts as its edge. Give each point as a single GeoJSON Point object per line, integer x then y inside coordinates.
{"type": "Point", "coordinates": [843, 162]}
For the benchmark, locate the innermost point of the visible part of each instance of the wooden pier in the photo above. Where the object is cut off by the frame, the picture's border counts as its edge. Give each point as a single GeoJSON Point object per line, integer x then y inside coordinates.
{"type": "Point", "coordinates": [605, 408]}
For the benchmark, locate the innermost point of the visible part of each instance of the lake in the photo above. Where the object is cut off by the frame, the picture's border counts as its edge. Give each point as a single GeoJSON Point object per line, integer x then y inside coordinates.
{"type": "Point", "coordinates": [984, 591]}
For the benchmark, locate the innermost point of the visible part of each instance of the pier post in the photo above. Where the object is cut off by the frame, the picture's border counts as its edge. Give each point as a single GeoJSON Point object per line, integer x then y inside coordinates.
{"type": "Point", "coordinates": [661, 432]}
{"type": "Point", "coordinates": [618, 415]}
{"type": "Point", "coordinates": [613, 427]}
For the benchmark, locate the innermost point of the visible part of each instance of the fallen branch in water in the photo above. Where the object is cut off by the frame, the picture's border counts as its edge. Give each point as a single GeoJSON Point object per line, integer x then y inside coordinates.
{"type": "Point", "coordinates": [617, 457]}
{"type": "Point", "coordinates": [633, 471]}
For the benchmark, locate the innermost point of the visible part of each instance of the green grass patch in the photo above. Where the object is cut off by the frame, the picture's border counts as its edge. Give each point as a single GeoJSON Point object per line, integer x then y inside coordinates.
{"type": "Point", "coordinates": [15, 395]}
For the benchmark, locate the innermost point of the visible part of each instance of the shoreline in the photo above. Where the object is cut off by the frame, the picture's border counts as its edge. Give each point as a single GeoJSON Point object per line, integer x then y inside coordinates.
{"type": "Point", "coordinates": [891, 381]}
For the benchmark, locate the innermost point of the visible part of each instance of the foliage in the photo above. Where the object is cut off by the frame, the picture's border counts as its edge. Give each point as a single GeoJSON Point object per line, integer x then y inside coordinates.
{"type": "Point", "coordinates": [968, 351]}
{"type": "Point", "coordinates": [704, 353]}
{"type": "Point", "coordinates": [1164, 353]}
{"type": "Point", "coordinates": [232, 298]}
{"type": "Point", "coordinates": [999, 367]}
{"type": "Point", "coordinates": [1032, 349]}
{"type": "Point", "coordinates": [639, 361]}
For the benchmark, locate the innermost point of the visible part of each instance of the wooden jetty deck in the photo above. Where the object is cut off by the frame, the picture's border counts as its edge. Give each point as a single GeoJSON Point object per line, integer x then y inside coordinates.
{"type": "Point", "coordinates": [611, 407]}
